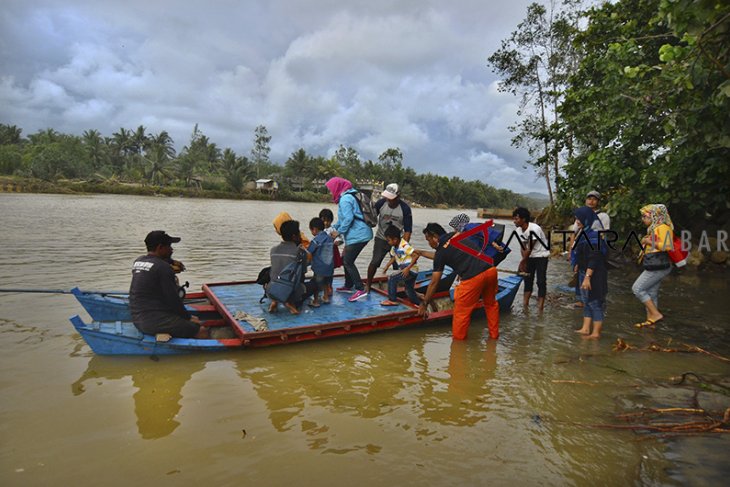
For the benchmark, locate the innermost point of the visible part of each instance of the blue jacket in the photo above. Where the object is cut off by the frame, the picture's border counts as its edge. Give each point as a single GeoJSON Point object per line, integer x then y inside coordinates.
{"type": "Point", "coordinates": [350, 221]}
{"type": "Point", "coordinates": [322, 255]}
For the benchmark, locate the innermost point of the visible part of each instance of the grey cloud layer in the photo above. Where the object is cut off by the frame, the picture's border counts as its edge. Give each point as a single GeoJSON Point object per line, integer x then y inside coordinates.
{"type": "Point", "coordinates": [317, 74]}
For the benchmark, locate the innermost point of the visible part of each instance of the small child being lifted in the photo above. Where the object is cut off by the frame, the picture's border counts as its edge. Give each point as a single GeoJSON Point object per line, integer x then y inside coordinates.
{"type": "Point", "coordinates": [406, 257]}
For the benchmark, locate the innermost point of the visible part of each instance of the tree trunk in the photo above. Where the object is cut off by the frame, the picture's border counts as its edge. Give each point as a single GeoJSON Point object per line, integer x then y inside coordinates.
{"type": "Point", "coordinates": [541, 97]}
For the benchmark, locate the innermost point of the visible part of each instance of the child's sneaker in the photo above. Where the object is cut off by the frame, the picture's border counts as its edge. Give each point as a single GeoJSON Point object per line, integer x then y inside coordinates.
{"type": "Point", "coordinates": [344, 289]}
{"type": "Point", "coordinates": [358, 294]}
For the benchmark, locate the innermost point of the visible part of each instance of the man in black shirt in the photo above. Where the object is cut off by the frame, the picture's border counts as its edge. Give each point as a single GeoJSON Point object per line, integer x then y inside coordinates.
{"type": "Point", "coordinates": [478, 279]}
{"type": "Point", "coordinates": [154, 302]}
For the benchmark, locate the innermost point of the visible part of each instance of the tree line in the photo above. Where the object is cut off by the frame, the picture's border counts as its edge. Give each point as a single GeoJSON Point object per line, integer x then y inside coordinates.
{"type": "Point", "coordinates": [631, 98]}
{"type": "Point", "coordinates": [143, 157]}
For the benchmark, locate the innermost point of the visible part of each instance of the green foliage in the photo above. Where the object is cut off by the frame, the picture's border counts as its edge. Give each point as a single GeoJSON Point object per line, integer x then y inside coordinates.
{"type": "Point", "coordinates": [51, 155]}
{"type": "Point", "coordinates": [236, 170]}
{"type": "Point", "coordinates": [10, 134]}
{"type": "Point", "coordinates": [261, 149]}
{"type": "Point", "coordinates": [650, 109]}
{"type": "Point", "coordinates": [11, 158]}
{"type": "Point", "coordinates": [137, 162]}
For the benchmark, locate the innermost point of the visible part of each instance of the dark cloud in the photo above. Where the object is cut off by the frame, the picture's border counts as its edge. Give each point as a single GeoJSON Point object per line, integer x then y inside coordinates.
{"type": "Point", "coordinates": [370, 75]}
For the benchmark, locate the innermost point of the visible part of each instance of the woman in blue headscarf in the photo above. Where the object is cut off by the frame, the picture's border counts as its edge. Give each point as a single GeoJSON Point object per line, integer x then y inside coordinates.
{"type": "Point", "coordinates": [589, 254]}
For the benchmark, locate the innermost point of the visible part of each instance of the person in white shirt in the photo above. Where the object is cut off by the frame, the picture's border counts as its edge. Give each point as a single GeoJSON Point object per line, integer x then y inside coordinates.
{"type": "Point", "coordinates": [535, 253]}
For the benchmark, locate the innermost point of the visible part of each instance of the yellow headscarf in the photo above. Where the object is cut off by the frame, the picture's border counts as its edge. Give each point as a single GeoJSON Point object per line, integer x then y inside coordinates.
{"type": "Point", "coordinates": [285, 217]}
{"type": "Point", "coordinates": [659, 215]}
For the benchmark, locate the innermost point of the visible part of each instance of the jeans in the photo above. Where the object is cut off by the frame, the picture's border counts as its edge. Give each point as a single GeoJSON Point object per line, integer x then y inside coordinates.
{"type": "Point", "coordinates": [594, 309]}
{"type": "Point", "coordinates": [409, 281]}
{"type": "Point", "coordinates": [352, 275]}
{"type": "Point", "coordinates": [646, 286]}
{"type": "Point", "coordinates": [578, 290]}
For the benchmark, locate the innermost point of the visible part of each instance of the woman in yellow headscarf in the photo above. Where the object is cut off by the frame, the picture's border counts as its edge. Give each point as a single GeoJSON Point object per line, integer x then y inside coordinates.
{"type": "Point", "coordinates": [285, 217]}
{"type": "Point", "coordinates": [659, 238]}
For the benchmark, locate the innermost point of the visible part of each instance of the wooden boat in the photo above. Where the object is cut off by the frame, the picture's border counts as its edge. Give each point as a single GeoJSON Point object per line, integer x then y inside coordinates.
{"type": "Point", "coordinates": [104, 306]}
{"type": "Point", "coordinates": [240, 320]}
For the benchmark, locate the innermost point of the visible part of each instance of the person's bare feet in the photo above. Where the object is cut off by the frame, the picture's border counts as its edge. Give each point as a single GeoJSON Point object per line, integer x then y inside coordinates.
{"type": "Point", "coordinates": [592, 336]}
{"type": "Point", "coordinates": [163, 337]}
{"type": "Point", "coordinates": [583, 331]}
{"type": "Point", "coordinates": [273, 306]}
{"type": "Point", "coordinates": [292, 309]}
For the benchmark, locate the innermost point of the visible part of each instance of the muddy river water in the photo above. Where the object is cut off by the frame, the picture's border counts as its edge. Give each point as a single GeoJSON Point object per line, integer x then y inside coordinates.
{"type": "Point", "coordinates": [405, 407]}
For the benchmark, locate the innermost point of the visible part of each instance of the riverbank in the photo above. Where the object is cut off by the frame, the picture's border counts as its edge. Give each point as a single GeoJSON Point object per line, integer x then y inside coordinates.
{"type": "Point", "coordinates": [16, 184]}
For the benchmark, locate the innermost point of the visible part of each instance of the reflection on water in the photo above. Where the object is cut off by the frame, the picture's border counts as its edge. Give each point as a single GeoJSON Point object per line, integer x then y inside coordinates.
{"type": "Point", "coordinates": [399, 407]}
{"type": "Point", "coordinates": [159, 389]}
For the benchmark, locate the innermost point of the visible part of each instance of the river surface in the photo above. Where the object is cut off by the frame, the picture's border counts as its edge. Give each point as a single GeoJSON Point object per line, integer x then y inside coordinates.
{"type": "Point", "coordinates": [405, 407]}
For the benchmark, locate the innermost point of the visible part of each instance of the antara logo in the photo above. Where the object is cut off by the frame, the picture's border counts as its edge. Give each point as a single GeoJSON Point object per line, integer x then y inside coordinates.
{"type": "Point", "coordinates": [484, 230]}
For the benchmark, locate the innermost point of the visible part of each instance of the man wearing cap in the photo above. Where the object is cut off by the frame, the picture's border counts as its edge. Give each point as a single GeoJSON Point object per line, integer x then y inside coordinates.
{"type": "Point", "coordinates": [593, 199]}
{"type": "Point", "coordinates": [395, 212]}
{"type": "Point", "coordinates": [154, 302]}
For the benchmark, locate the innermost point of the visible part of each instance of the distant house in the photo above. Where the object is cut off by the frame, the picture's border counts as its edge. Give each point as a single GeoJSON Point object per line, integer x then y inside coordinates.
{"type": "Point", "coordinates": [267, 186]}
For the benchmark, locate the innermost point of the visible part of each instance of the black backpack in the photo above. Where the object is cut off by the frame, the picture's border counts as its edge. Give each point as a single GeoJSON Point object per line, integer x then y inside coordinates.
{"type": "Point", "coordinates": [264, 276]}
{"type": "Point", "coordinates": [367, 208]}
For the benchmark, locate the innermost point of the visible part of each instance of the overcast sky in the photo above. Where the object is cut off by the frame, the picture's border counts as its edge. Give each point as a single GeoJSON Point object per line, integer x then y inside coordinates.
{"type": "Point", "coordinates": [371, 75]}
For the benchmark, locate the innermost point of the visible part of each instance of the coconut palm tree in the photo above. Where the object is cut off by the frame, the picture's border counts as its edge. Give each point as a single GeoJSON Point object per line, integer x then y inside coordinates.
{"type": "Point", "coordinates": [96, 148]}
{"type": "Point", "coordinates": [236, 170]}
{"type": "Point", "coordinates": [157, 165]}
{"type": "Point", "coordinates": [10, 134]}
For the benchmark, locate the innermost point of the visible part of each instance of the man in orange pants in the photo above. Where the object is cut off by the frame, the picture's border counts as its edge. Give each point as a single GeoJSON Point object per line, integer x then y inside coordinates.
{"type": "Point", "coordinates": [478, 279]}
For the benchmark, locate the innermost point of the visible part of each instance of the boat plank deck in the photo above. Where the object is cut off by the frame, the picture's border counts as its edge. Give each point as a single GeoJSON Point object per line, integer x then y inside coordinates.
{"type": "Point", "coordinates": [245, 297]}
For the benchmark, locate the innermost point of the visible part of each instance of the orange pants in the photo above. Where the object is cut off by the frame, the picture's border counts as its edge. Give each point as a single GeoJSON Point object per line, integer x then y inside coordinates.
{"type": "Point", "coordinates": [467, 295]}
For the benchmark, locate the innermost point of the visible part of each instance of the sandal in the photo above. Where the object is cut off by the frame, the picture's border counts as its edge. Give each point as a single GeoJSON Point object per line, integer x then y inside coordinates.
{"type": "Point", "coordinates": [646, 323]}
{"type": "Point", "coordinates": [388, 302]}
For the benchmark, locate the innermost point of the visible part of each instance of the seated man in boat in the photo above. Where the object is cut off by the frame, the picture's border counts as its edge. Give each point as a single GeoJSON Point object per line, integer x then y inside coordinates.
{"type": "Point", "coordinates": [282, 255]}
{"type": "Point", "coordinates": [478, 279]}
{"type": "Point", "coordinates": [154, 302]}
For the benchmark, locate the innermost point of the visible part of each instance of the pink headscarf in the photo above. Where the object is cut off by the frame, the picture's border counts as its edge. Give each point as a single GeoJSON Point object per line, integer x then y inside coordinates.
{"type": "Point", "coordinates": [337, 186]}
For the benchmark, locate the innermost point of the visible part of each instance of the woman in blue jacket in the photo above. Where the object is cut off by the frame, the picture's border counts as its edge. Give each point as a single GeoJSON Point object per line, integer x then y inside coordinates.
{"type": "Point", "coordinates": [351, 225]}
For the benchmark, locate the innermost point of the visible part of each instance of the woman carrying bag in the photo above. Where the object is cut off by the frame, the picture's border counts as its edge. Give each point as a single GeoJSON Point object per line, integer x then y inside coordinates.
{"type": "Point", "coordinates": [356, 232]}
{"type": "Point", "coordinates": [589, 257]}
{"type": "Point", "coordinates": [658, 240]}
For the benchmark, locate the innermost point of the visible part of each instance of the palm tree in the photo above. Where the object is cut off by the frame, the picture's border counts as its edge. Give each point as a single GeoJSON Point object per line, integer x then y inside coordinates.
{"type": "Point", "coordinates": [157, 159]}
{"type": "Point", "coordinates": [163, 140]}
{"type": "Point", "coordinates": [122, 149]}
{"type": "Point", "coordinates": [236, 170]}
{"type": "Point", "coordinates": [47, 136]}
{"type": "Point", "coordinates": [298, 163]}
{"type": "Point", "coordinates": [95, 146]}
{"type": "Point", "coordinates": [10, 134]}
{"type": "Point", "coordinates": [138, 140]}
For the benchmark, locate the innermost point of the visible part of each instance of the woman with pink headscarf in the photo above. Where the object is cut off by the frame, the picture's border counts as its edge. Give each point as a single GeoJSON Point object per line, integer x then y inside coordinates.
{"type": "Point", "coordinates": [351, 225]}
